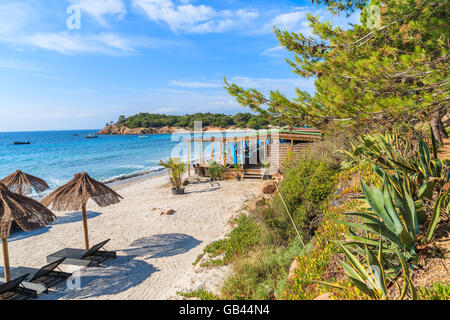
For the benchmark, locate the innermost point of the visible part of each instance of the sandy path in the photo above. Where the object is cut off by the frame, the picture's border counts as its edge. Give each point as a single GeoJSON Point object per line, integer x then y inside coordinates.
{"type": "Point", "coordinates": [155, 253]}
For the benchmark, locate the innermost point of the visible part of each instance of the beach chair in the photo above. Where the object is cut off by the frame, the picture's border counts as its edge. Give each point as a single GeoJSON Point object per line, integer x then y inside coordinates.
{"type": "Point", "coordinates": [84, 258]}
{"type": "Point", "coordinates": [14, 290]}
{"type": "Point", "coordinates": [47, 277]}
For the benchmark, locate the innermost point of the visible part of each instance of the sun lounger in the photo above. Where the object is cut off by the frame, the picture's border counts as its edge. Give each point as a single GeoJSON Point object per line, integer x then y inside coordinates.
{"type": "Point", "coordinates": [43, 279]}
{"type": "Point", "coordinates": [14, 290]}
{"type": "Point", "coordinates": [84, 258]}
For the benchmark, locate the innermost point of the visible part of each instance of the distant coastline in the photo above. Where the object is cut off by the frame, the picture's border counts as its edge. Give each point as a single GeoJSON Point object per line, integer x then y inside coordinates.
{"type": "Point", "coordinates": [152, 123]}
{"type": "Point", "coordinates": [123, 130]}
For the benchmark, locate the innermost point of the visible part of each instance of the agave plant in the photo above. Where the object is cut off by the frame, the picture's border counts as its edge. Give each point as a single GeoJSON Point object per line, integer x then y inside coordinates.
{"type": "Point", "coordinates": [373, 280]}
{"type": "Point", "coordinates": [381, 149]}
{"type": "Point", "coordinates": [399, 225]}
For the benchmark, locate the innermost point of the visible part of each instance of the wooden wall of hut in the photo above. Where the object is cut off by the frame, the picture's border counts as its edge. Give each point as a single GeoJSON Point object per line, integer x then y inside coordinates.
{"type": "Point", "coordinates": [278, 152]}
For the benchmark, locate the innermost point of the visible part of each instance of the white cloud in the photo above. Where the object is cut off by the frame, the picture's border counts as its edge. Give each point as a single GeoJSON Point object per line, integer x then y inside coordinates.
{"type": "Point", "coordinates": [290, 21]}
{"type": "Point", "coordinates": [101, 8]}
{"type": "Point", "coordinates": [284, 85]}
{"type": "Point", "coordinates": [297, 21]}
{"type": "Point", "coordinates": [275, 51]}
{"type": "Point", "coordinates": [13, 17]}
{"type": "Point", "coordinates": [186, 17]}
{"type": "Point", "coordinates": [106, 43]}
{"type": "Point", "coordinates": [195, 84]}
{"type": "Point", "coordinates": [267, 82]}
{"type": "Point", "coordinates": [21, 65]}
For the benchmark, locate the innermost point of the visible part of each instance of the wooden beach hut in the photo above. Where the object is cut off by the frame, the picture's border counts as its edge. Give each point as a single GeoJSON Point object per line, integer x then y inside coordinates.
{"type": "Point", "coordinates": [250, 150]}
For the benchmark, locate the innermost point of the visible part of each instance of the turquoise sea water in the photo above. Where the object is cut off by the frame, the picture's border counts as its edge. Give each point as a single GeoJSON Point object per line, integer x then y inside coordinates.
{"type": "Point", "coordinates": [56, 156]}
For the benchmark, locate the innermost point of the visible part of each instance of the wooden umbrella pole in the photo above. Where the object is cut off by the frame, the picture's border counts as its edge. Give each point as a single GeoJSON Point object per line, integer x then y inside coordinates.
{"type": "Point", "coordinates": [188, 159]}
{"type": "Point", "coordinates": [203, 152]}
{"type": "Point", "coordinates": [85, 226]}
{"type": "Point", "coordinates": [6, 259]}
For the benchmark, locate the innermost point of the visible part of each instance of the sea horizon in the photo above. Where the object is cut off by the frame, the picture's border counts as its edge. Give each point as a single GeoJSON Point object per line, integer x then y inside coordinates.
{"type": "Point", "coordinates": [56, 155]}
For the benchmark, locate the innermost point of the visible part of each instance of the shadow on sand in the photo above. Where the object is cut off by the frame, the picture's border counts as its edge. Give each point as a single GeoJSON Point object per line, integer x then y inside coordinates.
{"type": "Point", "coordinates": [204, 190]}
{"type": "Point", "coordinates": [117, 276]}
{"type": "Point", "coordinates": [162, 245]}
{"type": "Point", "coordinates": [72, 217]}
{"type": "Point", "coordinates": [126, 271]}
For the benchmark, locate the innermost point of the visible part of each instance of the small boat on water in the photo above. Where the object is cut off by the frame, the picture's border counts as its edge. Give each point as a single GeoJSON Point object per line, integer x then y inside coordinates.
{"type": "Point", "coordinates": [21, 142]}
{"type": "Point", "coordinates": [142, 137]}
{"type": "Point", "coordinates": [91, 136]}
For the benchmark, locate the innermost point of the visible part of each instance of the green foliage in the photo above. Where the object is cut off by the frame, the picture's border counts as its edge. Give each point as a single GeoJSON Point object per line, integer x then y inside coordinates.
{"type": "Point", "coordinates": [438, 291]}
{"type": "Point", "coordinates": [372, 279]}
{"type": "Point", "coordinates": [263, 274]}
{"type": "Point", "coordinates": [365, 77]}
{"type": "Point", "coordinates": [263, 245]}
{"type": "Point", "coordinates": [149, 120]}
{"type": "Point", "coordinates": [398, 225]}
{"type": "Point", "coordinates": [200, 293]}
{"type": "Point", "coordinates": [395, 210]}
{"type": "Point", "coordinates": [246, 235]}
{"type": "Point", "coordinates": [315, 265]}
{"type": "Point", "coordinates": [417, 178]}
{"type": "Point", "coordinates": [176, 169]}
{"type": "Point", "coordinates": [215, 170]}
{"type": "Point", "coordinates": [305, 201]}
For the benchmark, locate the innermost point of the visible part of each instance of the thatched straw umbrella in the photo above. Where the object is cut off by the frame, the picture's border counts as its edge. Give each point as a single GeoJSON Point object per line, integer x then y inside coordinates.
{"type": "Point", "coordinates": [75, 194]}
{"type": "Point", "coordinates": [28, 213]}
{"type": "Point", "coordinates": [24, 183]}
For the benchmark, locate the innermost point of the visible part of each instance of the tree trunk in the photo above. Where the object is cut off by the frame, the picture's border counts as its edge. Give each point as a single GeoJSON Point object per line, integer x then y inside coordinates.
{"type": "Point", "coordinates": [442, 128]}
{"type": "Point", "coordinates": [434, 123]}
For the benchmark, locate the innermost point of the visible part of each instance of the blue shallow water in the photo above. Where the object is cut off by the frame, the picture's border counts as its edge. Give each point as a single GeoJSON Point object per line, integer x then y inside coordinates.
{"type": "Point", "coordinates": [56, 156]}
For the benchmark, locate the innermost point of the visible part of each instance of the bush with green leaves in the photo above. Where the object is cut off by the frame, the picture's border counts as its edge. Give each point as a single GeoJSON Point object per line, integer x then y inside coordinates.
{"type": "Point", "coordinates": [263, 274]}
{"type": "Point", "coordinates": [305, 189]}
{"type": "Point", "coordinates": [247, 234]}
{"type": "Point", "coordinates": [215, 170]}
{"type": "Point", "coordinates": [394, 214]}
{"type": "Point", "coordinates": [372, 278]}
{"type": "Point", "coordinates": [176, 169]}
{"type": "Point", "coordinates": [438, 291]}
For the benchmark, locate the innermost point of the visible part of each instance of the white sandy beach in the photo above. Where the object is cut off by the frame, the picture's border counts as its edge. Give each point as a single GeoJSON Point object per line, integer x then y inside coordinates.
{"type": "Point", "coordinates": [155, 253]}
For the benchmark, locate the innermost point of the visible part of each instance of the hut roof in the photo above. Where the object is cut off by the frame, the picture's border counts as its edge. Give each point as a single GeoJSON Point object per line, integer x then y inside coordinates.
{"type": "Point", "coordinates": [28, 213]}
{"type": "Point", "coordinates": [78, 191]}
{"type": "Point", "coordinates": [24, 182]}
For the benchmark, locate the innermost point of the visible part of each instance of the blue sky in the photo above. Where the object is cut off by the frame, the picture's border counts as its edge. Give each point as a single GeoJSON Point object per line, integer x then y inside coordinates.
{"type": "Point", "coordinates": [130, 56]}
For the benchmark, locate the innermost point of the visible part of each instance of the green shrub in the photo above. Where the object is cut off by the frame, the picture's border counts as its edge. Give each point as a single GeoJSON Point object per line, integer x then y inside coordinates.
{"type": "Point", "coordinates": [215, 170]}
{"type": "Point", "coordinates": [200, 293]}
{"type": "Point", "coordinates": [438, 291]}
{"type": "Point", "coordinates": [306, 186]}
{"type": "Point", "coordinates": [246, 235]}
{"type": "Point", "coordinates": [263, 274]}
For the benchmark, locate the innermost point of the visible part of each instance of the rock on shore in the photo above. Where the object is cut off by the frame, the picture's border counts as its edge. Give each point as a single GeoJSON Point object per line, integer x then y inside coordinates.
{"type": "Point", "coordinates": [113, 129]}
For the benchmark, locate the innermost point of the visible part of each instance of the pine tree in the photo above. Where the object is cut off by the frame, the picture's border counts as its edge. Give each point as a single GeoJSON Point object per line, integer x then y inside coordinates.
{"type": "Point", "coordinates": [368, 75]}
